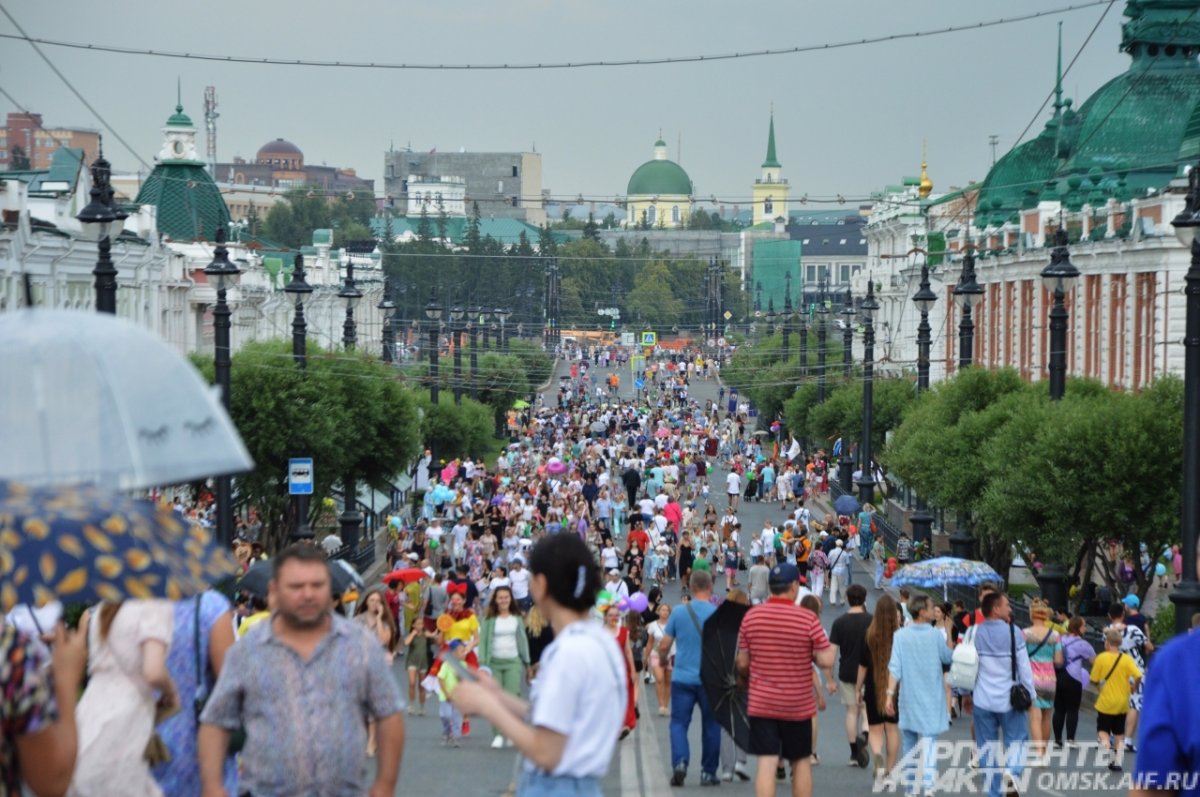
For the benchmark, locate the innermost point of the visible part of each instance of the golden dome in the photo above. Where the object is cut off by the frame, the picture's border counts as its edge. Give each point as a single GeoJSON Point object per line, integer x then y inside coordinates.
{"type": "Point", "coordinates": [926, 187]}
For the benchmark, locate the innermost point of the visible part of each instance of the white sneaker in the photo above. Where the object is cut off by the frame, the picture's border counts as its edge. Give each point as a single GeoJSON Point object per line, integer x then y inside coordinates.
{"type": "Point", "coordinates": [497, 742]}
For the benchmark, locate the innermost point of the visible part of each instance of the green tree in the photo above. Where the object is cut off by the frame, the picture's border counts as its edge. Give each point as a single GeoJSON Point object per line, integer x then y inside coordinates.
{"type": "Point", "coordinates": [453, 431]}
{"type": "Point", "coordinates": [841, 414]}
{"type": "Point", "coordinates": [18, 159]}
{"type": "Point", "coordinates": [651, 301]}
{"type": "Point", "coordinates": [537, 365]}
{"type": "Point", "coordinates": [547, 246]}
{"type": "Point", "coordinates": [472, 238]}
{"type": "Point", "coordinates": [591, 230]}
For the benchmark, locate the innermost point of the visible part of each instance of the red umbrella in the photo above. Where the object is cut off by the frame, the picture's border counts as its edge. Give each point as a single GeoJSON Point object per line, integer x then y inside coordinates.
{"type": "Point", "coordinates": [408, 575]}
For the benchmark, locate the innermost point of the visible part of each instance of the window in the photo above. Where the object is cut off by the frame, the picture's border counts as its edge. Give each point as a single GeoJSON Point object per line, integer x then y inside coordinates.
{"type": "Point", "coordinates": [805, 243]}
{"type": "Point", "coordinates": [810, 275]}
{"type": "Point", "coordinates": [516, 202]}
{"type": "Point", "coordinates": [500, 187]}
{"type": "Point", "coordinates": [768, 206]}
{"type": "Point", "coordinates": [844, 274]}
{"type": "Point", "coordinates": [515, 172]}
{"type": "Point", "coordinates": [651, 212]}
{"type": "Point", "coordinates": [675, 214]}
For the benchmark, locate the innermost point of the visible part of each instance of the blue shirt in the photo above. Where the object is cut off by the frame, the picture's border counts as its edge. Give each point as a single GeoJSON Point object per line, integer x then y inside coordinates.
{"type": "Point", "coordinates": [1169, 729]}
{"type": "Point", "coordinates": [688, 639]}
{"type": "Point", "coordinates": [918, 653]}
{"type": "Point", "coordinates": [993, 685]}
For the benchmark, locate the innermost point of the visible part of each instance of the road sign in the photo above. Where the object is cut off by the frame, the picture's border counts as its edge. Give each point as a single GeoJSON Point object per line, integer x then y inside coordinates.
{"type": "Point", "coordinates": [627, 338]}
{"type": "Point", "coordinates": [711, 342]}
{"type": "Point", "coordinates": [758, 313]}
{"type": "Point", "coordinates": [728, 315]}
{"type": "Point", "coordinates": [639, 383]}
{"type": "Point", "coordinates": [649, 338]}
{"type": "Point", "coordinates": [721, 342]}
{"type": "Point", "coordinates": [300, 476]}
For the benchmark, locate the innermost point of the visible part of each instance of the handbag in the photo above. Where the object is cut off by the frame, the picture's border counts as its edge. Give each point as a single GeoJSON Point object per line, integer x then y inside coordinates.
{"type": "Point", "coordinates": [1018, 695]}
{"type": "Point", "coordinates": [237, 739]}
{"type": "Point", "coordinates": [1045, 680]}
{"type": "Point", "coordinates": [964, 663]}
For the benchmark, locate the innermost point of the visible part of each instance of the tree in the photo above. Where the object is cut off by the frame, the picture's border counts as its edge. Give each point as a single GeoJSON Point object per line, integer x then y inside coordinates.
{"type": "Point", "coordinates": [472, 238]}
{"type": "Point", "coordinates": [18, 159]}
{"type": "Point", "coordinates": [547, 246]}
{"type": "Point", "coordinates": [651, 301]}
{"type": "Point", "coordinates": [841, 414]}
{"type": "Point", "coordinates": [453, 430]}
{"type": "Point", "coordinates": [591, 230]}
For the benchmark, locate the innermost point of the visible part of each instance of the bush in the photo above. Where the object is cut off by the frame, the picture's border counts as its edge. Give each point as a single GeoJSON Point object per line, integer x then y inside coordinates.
{"type": "Point", "coordinates": [1162, 627]}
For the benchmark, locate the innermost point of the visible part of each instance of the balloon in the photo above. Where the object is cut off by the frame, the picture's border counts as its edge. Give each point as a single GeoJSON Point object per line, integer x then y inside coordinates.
{"type": "Point", "coordinates": [395, 522]}
{"type": "Point", "coordinates": [433, 545]}
{"type": "Point", "coordinates": [624, 604]}
{"type": "Point", "coordinates": [892, 563]}
{"type": "Point", "coordinates": [638, 602]}
{"type": "Point", "coordinates": [1160, 570]}
{"type": "Point", "coordinates": [604, 598]}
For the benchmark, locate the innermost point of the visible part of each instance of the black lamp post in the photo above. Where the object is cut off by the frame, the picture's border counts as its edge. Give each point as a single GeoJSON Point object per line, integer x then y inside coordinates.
{"type": "Point", "coordinates": [221, 271]}
{"type": "Point", "coordinates": [485, 317]}
{"type": "Point", "coordinates": [474, 319]}
{"type": "Point", "coordinates": [924, 298]}
{"type": "Point", "coordinates": [1186, 596]}
{"type": "Point", "coordinates": [771, 315]}
{"type": "Point", "coordinates": [351, 295]}
{"type": "Point", "coordinates": [387, 309]}
{"type": "Point", "coordinates": [298, 290]}
{"type": "Point", "coordinates": [822, 322]}
{"type": "Point", "coordinates": [786, 317]}
{"type": "Point", "coordinates": [967, 294]}
{"type": "Point", "coordinates": [502, 314]}
{"type": "Point", "coordinates": [848, 314]}
{"type": "Point", "coordinates": [102, 220]}
{"type": "Point", "coordinates": [1059, 277]}
{"type": "Point", "coordinates": [433, 312]}
{"type": "Point", "coordinates": [456, 329]}
{"type": "Point", "coordinates": [758, 297]}
{"type": "Point", "coordinates": [802, 324]}
{"type": "Point", "coordinates": [866, 482]}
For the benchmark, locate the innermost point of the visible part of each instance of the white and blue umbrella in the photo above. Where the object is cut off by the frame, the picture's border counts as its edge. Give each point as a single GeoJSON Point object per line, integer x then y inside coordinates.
{"type": "Point", "coordinates": [943, 572]}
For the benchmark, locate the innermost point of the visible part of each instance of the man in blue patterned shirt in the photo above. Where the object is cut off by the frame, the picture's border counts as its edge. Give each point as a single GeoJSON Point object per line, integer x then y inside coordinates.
{"type": "Point", "coordinates": [304, 685]}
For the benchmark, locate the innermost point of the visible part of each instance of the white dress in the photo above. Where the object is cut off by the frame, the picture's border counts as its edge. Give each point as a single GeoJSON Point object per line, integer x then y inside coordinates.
{"type": "Point", "coordinates": [115, 716]}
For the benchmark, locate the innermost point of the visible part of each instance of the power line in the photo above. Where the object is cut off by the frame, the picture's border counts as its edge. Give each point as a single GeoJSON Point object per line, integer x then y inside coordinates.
{"type": "Point", "coordinates": [72, 88]}
{"type": "Point", "coordinates": [653, 61]}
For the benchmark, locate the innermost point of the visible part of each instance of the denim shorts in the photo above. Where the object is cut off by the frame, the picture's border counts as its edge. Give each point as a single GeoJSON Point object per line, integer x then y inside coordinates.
{"type": "Point", "coordinates": [539, 784]}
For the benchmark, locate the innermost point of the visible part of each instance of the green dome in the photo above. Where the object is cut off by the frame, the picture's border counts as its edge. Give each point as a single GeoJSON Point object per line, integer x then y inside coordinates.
{"type": "Point", "coordinates": [190, 206]}
{"type": "Point", "coordinates": [179, 118]}
{"type": "Point", "coordinates": [659, 177]}
{"type": "Point", "coordinates": [1017, 178]}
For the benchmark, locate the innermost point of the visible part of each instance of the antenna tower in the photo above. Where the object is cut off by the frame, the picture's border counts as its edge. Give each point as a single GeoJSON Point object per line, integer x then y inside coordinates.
{"type": "Point", "coordinates": [210, 127]}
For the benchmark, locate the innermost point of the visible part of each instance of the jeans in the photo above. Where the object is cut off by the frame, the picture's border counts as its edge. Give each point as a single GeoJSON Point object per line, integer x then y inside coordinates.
{"type": "Point", "coordinates": [878, 573]}
{"type": "Point", "coordinates": [539, 784]}
{"type": "Point", "coordinates": [684, 698]}
{"type": "Point", "coordinates": [452, 720]}
{"type": "Point", "coordinates": [989, 726]}
{"type": "Point", "coordinates": [922, 764]}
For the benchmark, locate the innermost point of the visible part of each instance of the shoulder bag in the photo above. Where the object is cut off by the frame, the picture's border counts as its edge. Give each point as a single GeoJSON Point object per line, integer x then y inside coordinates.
{"type": "Point", "coordinates": [1018, 695]}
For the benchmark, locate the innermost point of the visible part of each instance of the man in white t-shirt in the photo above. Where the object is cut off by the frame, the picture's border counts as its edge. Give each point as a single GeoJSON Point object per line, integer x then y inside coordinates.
{"type": "Point", "coordinates": [616, 585]}
{"type": "Point", "coordinates": [733, 488]}
{"type": "Point", "coordinates": [459, 532]}
{"type": "Point", "coordinates": [518, 578]}
{"type": "Point", "coordinates": [767, 538]}
{"type": "Point", "coordinates": [804, 517]}
{"type": "Point", "coordinates": [646, 507]}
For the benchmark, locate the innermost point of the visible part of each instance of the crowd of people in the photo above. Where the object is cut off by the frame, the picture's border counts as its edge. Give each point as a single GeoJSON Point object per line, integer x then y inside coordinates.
{"type": "Point", "coordinates": [532, 593]}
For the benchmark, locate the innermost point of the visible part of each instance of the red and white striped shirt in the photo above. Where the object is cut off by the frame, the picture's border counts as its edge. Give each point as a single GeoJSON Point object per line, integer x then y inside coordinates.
{"type": "Point", "coordinates": [781, 639]}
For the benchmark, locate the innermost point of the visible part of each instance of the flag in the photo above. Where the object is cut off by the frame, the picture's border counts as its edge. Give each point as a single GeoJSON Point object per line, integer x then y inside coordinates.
{"type": "Point", "coordinates": [837, 447]}
{"type": "Point", "coordinates": [793, 449]}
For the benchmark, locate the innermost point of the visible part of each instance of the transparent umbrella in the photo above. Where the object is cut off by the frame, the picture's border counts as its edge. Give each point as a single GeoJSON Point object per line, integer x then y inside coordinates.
{"type": "Point", "coordinates": [92, 398]}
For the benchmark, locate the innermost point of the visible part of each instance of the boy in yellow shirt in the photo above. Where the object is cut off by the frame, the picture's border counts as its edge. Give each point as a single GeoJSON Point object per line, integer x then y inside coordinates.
{"type": "Point", "coordinates": [1117, 675]}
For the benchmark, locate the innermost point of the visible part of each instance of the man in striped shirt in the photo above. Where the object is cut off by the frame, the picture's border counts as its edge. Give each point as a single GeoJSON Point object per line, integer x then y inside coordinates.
{"type": "Point", "coordinates": [778, 645]}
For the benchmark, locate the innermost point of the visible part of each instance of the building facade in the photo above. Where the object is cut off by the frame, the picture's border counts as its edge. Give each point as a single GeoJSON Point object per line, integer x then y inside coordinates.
{"type": "Point", "coordinates": [660, 193]}
{"type": "Point", "coordinates": [38, 143]}
{"type": "Point", "coordinates": [505, 184]}
{"type": "Point", "coordinates": [770, 191]}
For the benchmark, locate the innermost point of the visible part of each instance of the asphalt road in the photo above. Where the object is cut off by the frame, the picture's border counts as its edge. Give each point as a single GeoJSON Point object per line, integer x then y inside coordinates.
{"type": "Point", "coordinates": [642, 763]}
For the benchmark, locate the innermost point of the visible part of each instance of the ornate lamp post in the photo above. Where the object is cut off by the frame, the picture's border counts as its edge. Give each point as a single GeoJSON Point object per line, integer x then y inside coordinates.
{"type": "Point", "coordinates": [387, 309]}
{"type": "Point", "coordinates": [966, 294]}
{"type": "Point", "coordinates": [785, 317]}
{"type": "Point", "coordinates": [456, 329]}
{"type": "Point", "coordinates": [1186, 596]}
{"type": "Point", "coordinates": [485, 317]}
{"type": "Point", "coordinates": [847, 313]}
{"type": "Point", "coordinates": [502, 314]}
{"type": "Point", "coordinates": [822, 323]}
{"type": "Point", "coordinates": [221, 271]}
{"type": "Point", "coordinates": [866, 482]}
{"type": "Point", "coordinates": [102, 221]}
{"type": "Point", "coordinates": [474, 319]}
{"type": "Point", "coordinates": [351, 295]}
{"type": "Point", "coordinates": [433, 312]}
{"type": "Point", "coordinates": [771, 315]}
{"type": "Point", "coordinates": [802, 324]}
{"type": "Point", "coordinates": [924, 299]}
{"type": "Point", "coordinates": [298, 291]}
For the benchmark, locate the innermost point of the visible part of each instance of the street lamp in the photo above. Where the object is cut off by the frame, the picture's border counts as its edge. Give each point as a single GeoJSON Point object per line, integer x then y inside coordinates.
{"type": "Point", "coordinates": [771, 315]}
{"type": "Point", "coordinates": [866, 482]}
{"type": "Point", "coordinates": [351, 295]}
{"type": "Point", "coordinates": [967, 294]}
{"type": "Point", "coordinates": [433, 312]}
{"type": "Point", "coordinates": [102, 221]}
{"type": "Point", "coordinates": [298, 290]}
{"type": "Point", "coordinates": [222, 271]}
{"type": "Point", "coordinates": [822, 321]}
{"type": "Point", "coordinates": [473, 320]}
{"type": "Point", "coordinates": [1186, 596]}
{"type": "Point", "coordinates": [786, 316]}
{"type": "Point", "coordinates": [456, 328]}
{"type": "Point", "coordinates": [502, 314]}
{"type": "Point", "coordinates": [924, 299]}
{"type": "Point", "coordinates": [1058, 276]}
{"type": "Point", "coordinates": [485, 321]}
{"type": "Point", "coordinates": [387, 308]}
{"type": "Point", "coordinates": [847, 313]}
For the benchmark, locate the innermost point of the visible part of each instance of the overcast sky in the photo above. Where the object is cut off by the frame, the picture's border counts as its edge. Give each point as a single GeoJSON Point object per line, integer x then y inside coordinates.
{"type": "Point", "coordinates": [848, 121]}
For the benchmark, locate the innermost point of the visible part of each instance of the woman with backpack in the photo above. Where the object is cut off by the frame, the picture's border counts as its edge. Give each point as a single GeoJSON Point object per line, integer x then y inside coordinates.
{"type": "Point", "coordinates": [1072, 676]}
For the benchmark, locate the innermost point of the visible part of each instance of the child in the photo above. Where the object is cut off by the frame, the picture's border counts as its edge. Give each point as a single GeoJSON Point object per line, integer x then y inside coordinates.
{"type": "Point", "coordinates": [1119, 676]}
{"type": "Point", "coordinates": [731, 565]}
{"type": "Point", "coordinates": [447, 679]}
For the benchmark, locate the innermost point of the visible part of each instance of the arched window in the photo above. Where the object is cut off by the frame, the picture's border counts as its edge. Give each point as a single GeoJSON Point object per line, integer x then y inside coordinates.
{"type": "Point", "coordinates": [768, 206]}
{"type": "Point", "coordinates": [651, 212]}
{"type": "Point", "coordinates": [675, 214]}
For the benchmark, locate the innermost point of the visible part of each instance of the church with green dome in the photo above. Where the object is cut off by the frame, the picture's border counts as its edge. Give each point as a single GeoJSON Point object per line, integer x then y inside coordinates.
{"type": "Point", "coordinates": [660, 193]}
{"type": "Point", "coordinates": [190, 205]}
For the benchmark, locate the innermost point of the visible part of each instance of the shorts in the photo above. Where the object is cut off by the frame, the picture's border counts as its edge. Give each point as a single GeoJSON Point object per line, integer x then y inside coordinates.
{"type": "Point", "coordinates": [848, 694]}
{"type": "Point", "coordinates": [790, 740]}
{"type": "Point", "coordinates": [417, 656]}
{"type": "Point", "coordinates": [1110, 723]}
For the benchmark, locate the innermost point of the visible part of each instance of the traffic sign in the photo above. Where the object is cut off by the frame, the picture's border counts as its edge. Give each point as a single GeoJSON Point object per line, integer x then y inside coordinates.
{"type": "Point", "coordinates": [300, 476]}
{"type": "Point", "coordinates": [728, 315]}
{"type": "Point", "coordinates": [649, 338]}
{"type": "Point", "coordinates": [710, 342]}
{"type": "Point", "coordinates": [639, 383]}
{"type": "Point", "coordinates": [721, 342]}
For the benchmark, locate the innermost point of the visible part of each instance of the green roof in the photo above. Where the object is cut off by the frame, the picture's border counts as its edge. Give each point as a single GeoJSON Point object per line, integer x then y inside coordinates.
{"type": "Point", "coordinates": [179, 118]}
{"type": "Point", "coordinates": [65, 164]}
{"type": "Point", "coordinates": [190, 206]}
{"type": "Point", "coordinates": [771, 162]}
{"type": "Point", "coordinates": [657, 177]}
{"type": "Point", "coordinates": [504, 230]}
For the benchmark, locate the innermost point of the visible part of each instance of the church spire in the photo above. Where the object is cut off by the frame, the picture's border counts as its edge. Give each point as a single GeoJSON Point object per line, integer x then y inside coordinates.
{"type": "Point", "coordinates": [771, 162]}
{"type": "Point", "coordinates": [1058, 91]}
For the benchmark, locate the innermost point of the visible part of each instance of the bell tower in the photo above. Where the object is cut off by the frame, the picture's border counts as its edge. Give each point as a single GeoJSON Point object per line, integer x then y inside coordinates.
{"type": "Point", "coordinates": [770, 190]}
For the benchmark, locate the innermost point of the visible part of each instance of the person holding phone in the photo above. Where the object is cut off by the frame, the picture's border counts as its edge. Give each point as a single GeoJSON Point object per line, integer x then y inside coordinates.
{"type": "Point", "coordinates": [574, 720]}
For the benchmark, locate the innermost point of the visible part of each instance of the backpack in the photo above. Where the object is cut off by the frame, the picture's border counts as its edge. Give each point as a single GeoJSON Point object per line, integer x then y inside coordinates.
{"type": "Point", "coordinates": [964, 663]}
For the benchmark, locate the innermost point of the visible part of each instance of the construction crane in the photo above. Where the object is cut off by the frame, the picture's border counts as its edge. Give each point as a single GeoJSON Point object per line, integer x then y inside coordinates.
{"type": "Point", "coordinates": [210, 127]}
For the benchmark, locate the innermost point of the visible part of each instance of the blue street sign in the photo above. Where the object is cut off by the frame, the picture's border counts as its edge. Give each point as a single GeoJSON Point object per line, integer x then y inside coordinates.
{"type": "Point", "coordinates": [639, 383]}
{"type": "Point", "coordinates": [300, 476]}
